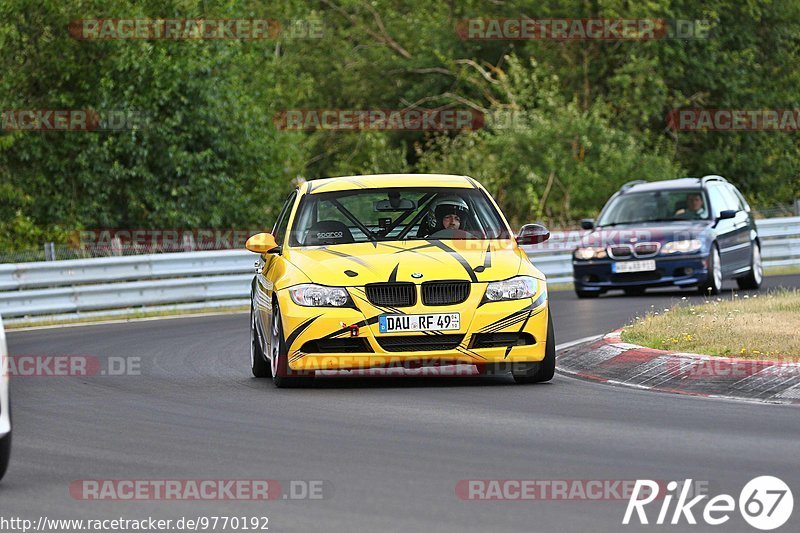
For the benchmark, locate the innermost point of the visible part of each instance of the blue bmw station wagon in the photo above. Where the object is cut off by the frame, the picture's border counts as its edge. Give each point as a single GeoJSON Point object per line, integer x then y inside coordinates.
{"type": "Point", "coordinates": [688, 232]}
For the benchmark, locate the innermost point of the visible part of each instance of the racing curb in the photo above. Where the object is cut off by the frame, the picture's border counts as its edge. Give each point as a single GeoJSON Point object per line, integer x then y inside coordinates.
{"type": "Point", "coordinates": [609, 360]}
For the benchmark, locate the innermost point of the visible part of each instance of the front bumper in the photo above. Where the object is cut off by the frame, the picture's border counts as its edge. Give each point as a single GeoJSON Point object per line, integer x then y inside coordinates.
{"type": "Point", "coordinates": [679, 271]}
{"type": "Point", "coordinates": [313, 332]}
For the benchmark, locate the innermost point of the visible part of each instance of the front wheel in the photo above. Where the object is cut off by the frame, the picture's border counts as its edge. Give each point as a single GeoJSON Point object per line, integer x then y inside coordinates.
{"type": "Point", "coordinates": [713, 282]}
{"type": "Point", "coordinates": [752, 281]}
{"type": "Point", "coordinates": [258, 361]}
{"type": "Point", "coordinates": [279, 358]}
{"type": "Point", "coordinates": [544, 369]}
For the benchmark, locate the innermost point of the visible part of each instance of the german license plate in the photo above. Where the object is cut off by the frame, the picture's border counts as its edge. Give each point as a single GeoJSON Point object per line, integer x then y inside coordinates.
{"type": "Point", "coordinates": [634, 266]}
{"type": "Point", "coordinates": [433, 322]}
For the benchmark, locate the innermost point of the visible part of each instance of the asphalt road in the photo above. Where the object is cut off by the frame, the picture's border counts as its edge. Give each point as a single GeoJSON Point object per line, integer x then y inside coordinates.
{"type": "Point", "coordinates": [390, 450]}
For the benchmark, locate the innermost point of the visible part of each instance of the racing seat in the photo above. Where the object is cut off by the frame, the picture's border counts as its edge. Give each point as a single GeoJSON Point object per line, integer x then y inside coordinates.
{"type": "Point", "coordinates": [328, 232]}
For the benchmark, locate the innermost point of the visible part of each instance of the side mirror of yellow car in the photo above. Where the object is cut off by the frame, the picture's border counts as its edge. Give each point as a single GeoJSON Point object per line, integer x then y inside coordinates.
{"type": "Point", "coordinates": [262, 243]}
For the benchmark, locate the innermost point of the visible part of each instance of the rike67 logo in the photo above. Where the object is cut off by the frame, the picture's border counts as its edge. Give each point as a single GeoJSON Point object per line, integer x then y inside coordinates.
{"type": "Point", "coordinates": [765, 503]}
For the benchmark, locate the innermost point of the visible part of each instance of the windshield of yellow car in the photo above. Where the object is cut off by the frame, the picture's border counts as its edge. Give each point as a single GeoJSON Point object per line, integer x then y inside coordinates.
{"type": "Point", "coordinates": [395, 214]}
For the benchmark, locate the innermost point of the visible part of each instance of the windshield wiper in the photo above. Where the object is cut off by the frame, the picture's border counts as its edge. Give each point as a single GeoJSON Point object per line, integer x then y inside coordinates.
{"type": "Point", "coordinates": [610, 224]}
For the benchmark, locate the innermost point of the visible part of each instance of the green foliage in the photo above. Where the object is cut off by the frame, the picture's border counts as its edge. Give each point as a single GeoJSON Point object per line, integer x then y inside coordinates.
{"type": "Point", "coordinates": [550, 159]}
{"type": "Point", "coordinates": [588, 115]}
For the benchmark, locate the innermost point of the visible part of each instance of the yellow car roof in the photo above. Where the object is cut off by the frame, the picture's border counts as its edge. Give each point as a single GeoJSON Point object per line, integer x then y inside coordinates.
{"type": "Point", "coordinates": [374, 181]}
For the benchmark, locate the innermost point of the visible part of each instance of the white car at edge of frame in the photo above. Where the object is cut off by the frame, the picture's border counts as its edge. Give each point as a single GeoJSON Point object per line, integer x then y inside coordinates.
{"type": "Point", "coordinates": [5, 405]}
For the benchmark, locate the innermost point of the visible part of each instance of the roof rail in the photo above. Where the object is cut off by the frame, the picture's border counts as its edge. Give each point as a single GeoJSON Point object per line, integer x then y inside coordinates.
{"type": "Point", "coordinates": [712, 177]}
{"type": "Point", "coordinates": [631, 184]}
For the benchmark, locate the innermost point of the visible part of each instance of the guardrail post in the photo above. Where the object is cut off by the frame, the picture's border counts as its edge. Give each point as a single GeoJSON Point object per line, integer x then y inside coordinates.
{"type": "Point", "coordinates": [49, 251]}
{"type": "Point", "coordinates": [797, 207]}
{"type": "Point", "coordinates": [116, 246]}
{"type": "Point", "coordinates": [187, 242]}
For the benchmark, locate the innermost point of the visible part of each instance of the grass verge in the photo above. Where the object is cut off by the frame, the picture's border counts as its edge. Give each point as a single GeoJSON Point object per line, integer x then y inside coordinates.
{"type": "Point", "coordinates": [761, 326]}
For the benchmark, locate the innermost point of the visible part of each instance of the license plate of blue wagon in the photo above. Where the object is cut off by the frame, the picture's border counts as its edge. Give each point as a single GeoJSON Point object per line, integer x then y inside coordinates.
{"type": "Point", "coordinates": [633, 266]}
{"type": "Point", "coordinates": [429, 322]}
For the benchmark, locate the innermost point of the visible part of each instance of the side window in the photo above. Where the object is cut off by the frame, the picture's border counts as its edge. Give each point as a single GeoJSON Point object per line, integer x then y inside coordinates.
{"type": "Point", "coordinates": [740, 201]}
{"type": "Point", "coordinates": [717, 199]}
{"type": "Point", "coordinates": [731, 200]}
{"type": "Point", "coordinates": [279, 231]}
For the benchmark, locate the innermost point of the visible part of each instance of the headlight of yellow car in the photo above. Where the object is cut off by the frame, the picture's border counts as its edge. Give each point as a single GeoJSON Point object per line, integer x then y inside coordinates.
{"type": "Point", "coordinates": [585, 254]}
{"type": "Point", "coordinates": [512, 289]}
{"type": "Point", "coordinates": [311, 295]}
{"type": "Point", "coordinates": [685, 247]}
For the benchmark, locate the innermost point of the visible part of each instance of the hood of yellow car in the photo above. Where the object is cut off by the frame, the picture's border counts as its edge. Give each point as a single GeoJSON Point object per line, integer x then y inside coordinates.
{"type": "Point", "coordinates": [414, 260]}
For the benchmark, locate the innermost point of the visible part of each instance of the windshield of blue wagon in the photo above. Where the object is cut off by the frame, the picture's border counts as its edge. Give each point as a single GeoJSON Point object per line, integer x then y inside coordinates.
{"type": "Point", "coordinates": [395, 214]}
{"type": "Point", "coordinates": [655, 206]}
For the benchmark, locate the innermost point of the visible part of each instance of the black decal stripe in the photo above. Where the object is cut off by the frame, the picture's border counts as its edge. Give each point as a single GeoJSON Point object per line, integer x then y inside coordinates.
{"type": "Point", "coordinates": [355, 182]}
{"type": "Point", "coordinates": [346, 256]}
{"type": "Point", "coordinates": [506, 318]}
{"type": "Point", "coordinates": [361, 324]}
{"type": "Point", "coordinates": [465, 348]}
{"type": "Point", "coordinates": [504, 325]}
{"type": "Point", "coordinates": [470, 353]}
{"type": "Point", "coordinates": [458, 257]}
{"type": "Point", "coordinates": [540, 300]}
{"type": "Point", "coordinates": [415, 250]}
{"type": "Point", "coordinates": [472, 182]}
{"type": "Point", "coordinates": [393, 275]}
{"type": "Point", "coordinates": [487, 259]}
{"type": "Point", "coordinates": [521, 328]}
{"type": "Point", "coordinates": [298, 330]}
{"type": "Point", "coordinates": [386, 244]}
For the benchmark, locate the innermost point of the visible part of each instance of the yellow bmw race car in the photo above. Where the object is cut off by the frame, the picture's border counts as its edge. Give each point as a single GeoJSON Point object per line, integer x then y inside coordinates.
{"type": "Point", "coordinates": [397, 270]}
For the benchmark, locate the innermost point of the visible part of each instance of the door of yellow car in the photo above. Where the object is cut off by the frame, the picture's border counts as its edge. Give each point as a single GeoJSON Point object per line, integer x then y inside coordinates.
{"type": "Point", "coordinates": [266, 276]}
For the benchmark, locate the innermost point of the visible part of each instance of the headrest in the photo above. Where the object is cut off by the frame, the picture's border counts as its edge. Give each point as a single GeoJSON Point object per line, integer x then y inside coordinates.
{"type": "Point", "coordinates": [328, 232]}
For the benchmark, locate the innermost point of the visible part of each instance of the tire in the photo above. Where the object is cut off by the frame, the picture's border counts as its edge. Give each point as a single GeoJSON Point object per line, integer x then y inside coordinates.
{"type": "Point", "coordinates": [634, 291]}
{"type": "Point", "coordinates": [587, 294]}
{"type": "Point", "coordinates": [5, 454]}
{"type": "Point", "coordinates": [5, 449]}
{"type": "Point", "coordinates": [752, 281]}
{"type": "Point", "coordinates": [713, 282]}
{"type": "Point", "coordinates": [545, 369]}
{"type": "Point", "coordinates": [258, 360]}
{"type": "Point", "coordinates": [279, 358]}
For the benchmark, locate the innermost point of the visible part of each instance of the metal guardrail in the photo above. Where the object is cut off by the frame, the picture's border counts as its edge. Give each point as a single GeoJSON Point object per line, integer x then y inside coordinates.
{"type": "Point", "coordinates": [85, 285]}
{"type": "Point", "coordinates": [136, 267]}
